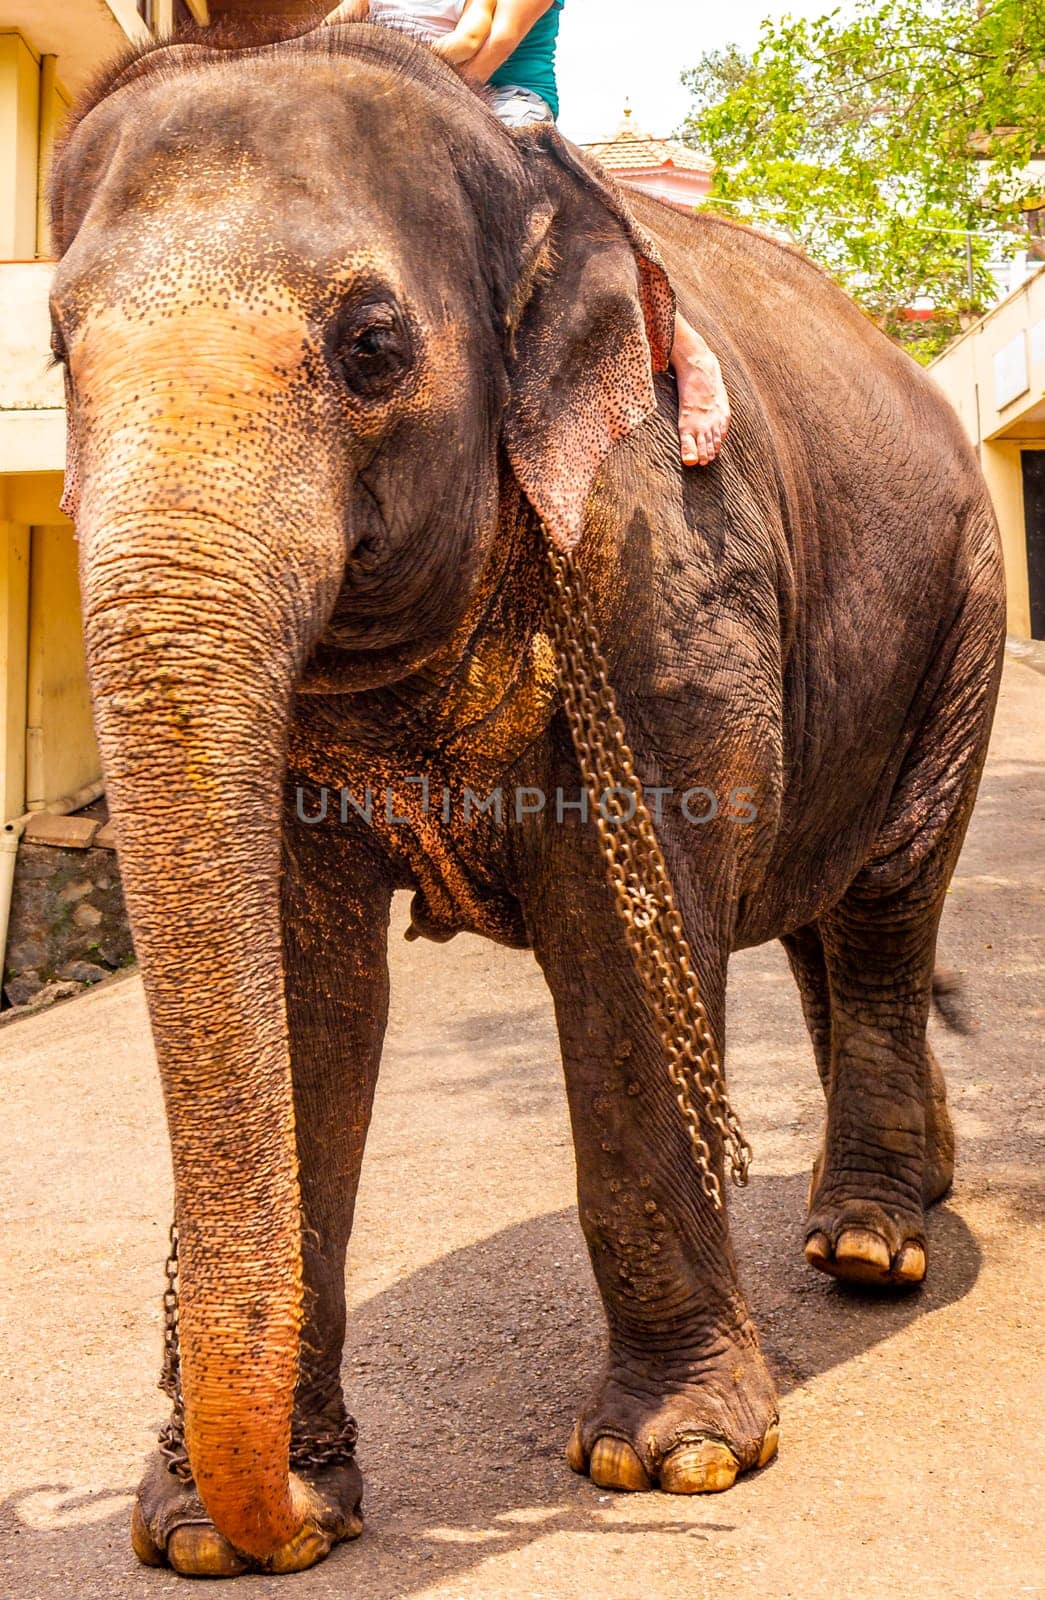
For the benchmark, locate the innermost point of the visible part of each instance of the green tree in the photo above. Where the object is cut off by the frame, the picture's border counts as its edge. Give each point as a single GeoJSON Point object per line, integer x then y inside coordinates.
{"type": "Point", "coordinates": [892, 139]}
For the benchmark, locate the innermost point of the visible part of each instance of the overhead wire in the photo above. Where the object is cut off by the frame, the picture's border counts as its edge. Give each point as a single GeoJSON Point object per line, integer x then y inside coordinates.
{"type": "Point", "coordinates": [915, 227]}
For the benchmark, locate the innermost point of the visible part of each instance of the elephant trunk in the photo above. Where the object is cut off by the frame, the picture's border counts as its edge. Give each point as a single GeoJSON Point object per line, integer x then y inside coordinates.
{"type": "Point", "coordinates": [196, 631]}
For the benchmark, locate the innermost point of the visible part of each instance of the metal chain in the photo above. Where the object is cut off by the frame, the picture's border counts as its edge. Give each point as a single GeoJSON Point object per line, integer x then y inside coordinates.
{"type": "Point", "coordinates": [639, 877]}
{"type": "Point", "coordinates": [333, 1447]}
{"type": "Point", "coordinates": [172, 1435]}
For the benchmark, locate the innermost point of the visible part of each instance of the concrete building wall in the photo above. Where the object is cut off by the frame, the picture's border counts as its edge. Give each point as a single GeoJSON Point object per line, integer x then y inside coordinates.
{"type": "Point", "coordinates": [48, 50]}
{"type": "Point", "coordinates": [47, 744]}
{"type": "Point", "coordinates": [14, 663]}
{"type": "Point", "coordinates": [19, 147]}
{"type": "Point", "coordinates": [994, 376]}
{"type": "Point", "coordinates": [61, 755]}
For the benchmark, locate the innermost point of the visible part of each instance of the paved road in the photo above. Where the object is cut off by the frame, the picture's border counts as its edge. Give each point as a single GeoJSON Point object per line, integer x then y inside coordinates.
{"type": "Point", "coordinates": [910, 1460]}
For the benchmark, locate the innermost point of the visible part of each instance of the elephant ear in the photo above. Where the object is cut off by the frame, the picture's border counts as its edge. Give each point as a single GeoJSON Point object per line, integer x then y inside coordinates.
{"type": "Point", "coordinates": [592, 319]}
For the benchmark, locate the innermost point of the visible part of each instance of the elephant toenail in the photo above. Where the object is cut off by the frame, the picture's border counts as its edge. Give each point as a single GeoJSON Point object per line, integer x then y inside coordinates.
{"type": "Point", "coordinates": [307, 1547]}
{"type": "Point", "coordinates": [769, 1444]}
{"type": "Point", "coordinates": [862, 1248]}
{"type": "Point", "coordinates": [910, 1263]}
{"type": "Point", "coordinates": [704, 1468]}
{"type": "Point", "coordinates": [197, 1550]}
{"type": "Point", "coordinates": [142, 1541]}
{"type": "Point", "coordinates": [818, 1248]}
{"type": "Point", "coordinates": [575, 1450]}
{"type": "Point", "coordinates": [614, 1465]}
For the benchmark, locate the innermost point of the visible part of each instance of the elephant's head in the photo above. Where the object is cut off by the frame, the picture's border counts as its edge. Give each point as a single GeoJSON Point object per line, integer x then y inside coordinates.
{"type": "Point", "coordinates": [314, 305]}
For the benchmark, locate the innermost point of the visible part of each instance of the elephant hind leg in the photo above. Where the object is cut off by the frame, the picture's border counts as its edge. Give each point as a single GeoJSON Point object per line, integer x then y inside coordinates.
{"type": "Point", "coordinates": [888, 1149]}
{"type": "Point", "coordinates": [866, 975]}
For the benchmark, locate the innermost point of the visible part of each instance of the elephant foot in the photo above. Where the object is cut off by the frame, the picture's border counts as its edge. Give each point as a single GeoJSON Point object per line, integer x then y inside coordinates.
{"type": "Point", "coordinates": [862, 1241]}
{"type": "Point", "coordinates": [170, 1528]}
{"type": "Point", "coordinates": [938, 1168]}
{"type": "Point", "coordinates": [690, 1426]}
{"type": "Point", "coordinates": [859, 1241]}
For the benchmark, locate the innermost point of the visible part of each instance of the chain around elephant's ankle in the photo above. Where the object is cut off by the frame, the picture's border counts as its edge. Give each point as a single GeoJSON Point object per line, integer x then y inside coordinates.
{"type": "Point", "coordinates": [331, 1447]}
{"type": "Point", "coordinates": [327, 1447]}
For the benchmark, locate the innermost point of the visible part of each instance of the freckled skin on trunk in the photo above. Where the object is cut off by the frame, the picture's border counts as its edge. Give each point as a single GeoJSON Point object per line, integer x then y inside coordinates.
{"type": "Point", "coordinates": [194, 642]}
{"type": "Point", "coordinates": [320, 395]}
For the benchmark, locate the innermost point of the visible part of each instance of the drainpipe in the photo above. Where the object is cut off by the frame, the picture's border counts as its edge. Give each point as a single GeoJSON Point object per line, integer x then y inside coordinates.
{"type": "Point", "coordinates": [50, 118]}
{"type": "Point", "coordinates": [10, 838]}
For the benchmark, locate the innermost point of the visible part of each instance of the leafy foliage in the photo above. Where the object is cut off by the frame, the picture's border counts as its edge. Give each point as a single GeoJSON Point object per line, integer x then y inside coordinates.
{"type": "Point", "coordinates": [892, 138]}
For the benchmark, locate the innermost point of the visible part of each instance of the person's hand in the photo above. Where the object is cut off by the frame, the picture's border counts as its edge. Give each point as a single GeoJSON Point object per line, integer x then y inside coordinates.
{"type": "Point", "coordinates": [512, 21]}
{"type": "Point", "coordinates": [470, 34]}
{"type": "Point", "coordinates": [348, 11]}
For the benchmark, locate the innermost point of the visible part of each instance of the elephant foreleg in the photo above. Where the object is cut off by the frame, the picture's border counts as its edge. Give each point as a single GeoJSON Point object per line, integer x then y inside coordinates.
{"type": "Point", "coordinates": [335, 922]}
{"type": "Point", "coordinates": [686, 1400]}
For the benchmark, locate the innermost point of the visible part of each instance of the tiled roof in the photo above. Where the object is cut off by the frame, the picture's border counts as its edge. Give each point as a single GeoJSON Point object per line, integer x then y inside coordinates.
{"type": "Point", "coordinates": [632, 149]}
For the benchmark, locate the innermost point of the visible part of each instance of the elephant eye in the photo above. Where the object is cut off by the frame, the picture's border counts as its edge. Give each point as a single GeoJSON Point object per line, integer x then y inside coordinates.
{"type": "Point", "coordinates": [59, 355]}
{"type": "Point", "coordinates": [377, 340]}
{"type": "Point", "coordinates": [371, 348]}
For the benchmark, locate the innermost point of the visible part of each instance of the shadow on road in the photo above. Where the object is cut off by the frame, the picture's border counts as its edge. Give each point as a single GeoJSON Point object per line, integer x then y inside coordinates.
{"type": "Point", "coordinates": [465, 1377]}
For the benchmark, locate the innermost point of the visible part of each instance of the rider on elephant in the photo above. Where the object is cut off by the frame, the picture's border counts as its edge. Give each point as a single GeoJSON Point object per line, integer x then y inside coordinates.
{"type": "Point", "coordinates": [510, 45]}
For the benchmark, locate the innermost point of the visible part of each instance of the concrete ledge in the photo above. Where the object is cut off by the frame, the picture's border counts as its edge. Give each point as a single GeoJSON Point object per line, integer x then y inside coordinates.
{"type": "Point", "coordinates": [69, 833]}
{"type": "Point", "coordinates": [1031, 652]}
{"type": "Point", "coordinates": [32, 441]}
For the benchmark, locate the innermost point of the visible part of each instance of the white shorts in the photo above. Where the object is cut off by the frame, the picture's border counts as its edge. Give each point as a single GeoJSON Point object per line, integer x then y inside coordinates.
{"type": "Point", "coordinates": [517, 108]}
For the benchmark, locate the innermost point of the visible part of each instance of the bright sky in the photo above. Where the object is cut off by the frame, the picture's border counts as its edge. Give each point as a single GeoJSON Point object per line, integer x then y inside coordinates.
{"type": "Point", "coordinates": [612, 51]}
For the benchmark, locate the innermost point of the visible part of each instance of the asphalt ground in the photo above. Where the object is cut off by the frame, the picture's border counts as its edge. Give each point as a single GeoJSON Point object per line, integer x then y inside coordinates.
{"type": "Point", "coordinates": [911, 1428]}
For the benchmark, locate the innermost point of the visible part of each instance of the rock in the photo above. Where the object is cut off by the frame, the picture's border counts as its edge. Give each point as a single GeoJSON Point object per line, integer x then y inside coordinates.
{"type": "Point", "coordinates": [87, 916]}
{"type": "Point", "coordinates": [76, 891]}
{"type": "Point", "coordinates": [24, 988]}
{"type": "Point", "coordinates": [25, 955]}
{"type": "Point", "coordinates": [82, 972]}
{"type": "Point", "coordinates": [34, 868]}
{"type": "Point", "coordinates": [115, 949]}
{"type": "Point", "coordinates": [50, 993]}
{"type": "Point", "coordinates": [67, 912]}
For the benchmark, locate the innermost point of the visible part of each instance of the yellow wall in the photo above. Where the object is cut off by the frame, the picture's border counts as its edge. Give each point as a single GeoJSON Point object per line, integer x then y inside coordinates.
{"type": "Point", "coordinates": [14, 634]}
{"type": "Point", "coordinates": [47, 744]}
{"type": "Point", "coordinates": [1004, 477]}
{"type": "Point", "coordinates": [19, 147]}
{"type": "Point", "coordinates": [60, 751]}
{"type": "Point", "coordinates": [968, 373]}
{"type": "Point", "coordinates": [33, 106]}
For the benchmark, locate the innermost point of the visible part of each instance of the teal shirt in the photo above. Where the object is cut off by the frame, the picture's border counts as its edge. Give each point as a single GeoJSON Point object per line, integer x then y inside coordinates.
{"type": "Point", "coordinates": [532, 64]}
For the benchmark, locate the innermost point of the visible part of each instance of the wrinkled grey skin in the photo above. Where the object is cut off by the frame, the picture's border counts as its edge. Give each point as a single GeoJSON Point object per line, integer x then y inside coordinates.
{"type": "Point", "coordinates": [317, 388]}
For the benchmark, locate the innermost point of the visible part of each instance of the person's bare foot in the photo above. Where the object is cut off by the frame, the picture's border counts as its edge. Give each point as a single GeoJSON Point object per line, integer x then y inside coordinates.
{"type": "Point", "coordinates": [704, 413]}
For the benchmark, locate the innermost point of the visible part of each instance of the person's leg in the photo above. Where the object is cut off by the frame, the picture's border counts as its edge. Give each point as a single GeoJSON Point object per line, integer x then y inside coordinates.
{"type": "Point", "coordinates": [703, 403]}
{"type": "Point", "coordinates": [517, 107]}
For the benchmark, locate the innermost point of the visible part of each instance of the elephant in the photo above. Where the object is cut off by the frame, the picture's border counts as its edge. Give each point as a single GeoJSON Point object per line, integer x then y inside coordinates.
{"type": "Point", "coordinates": [349, 367]}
